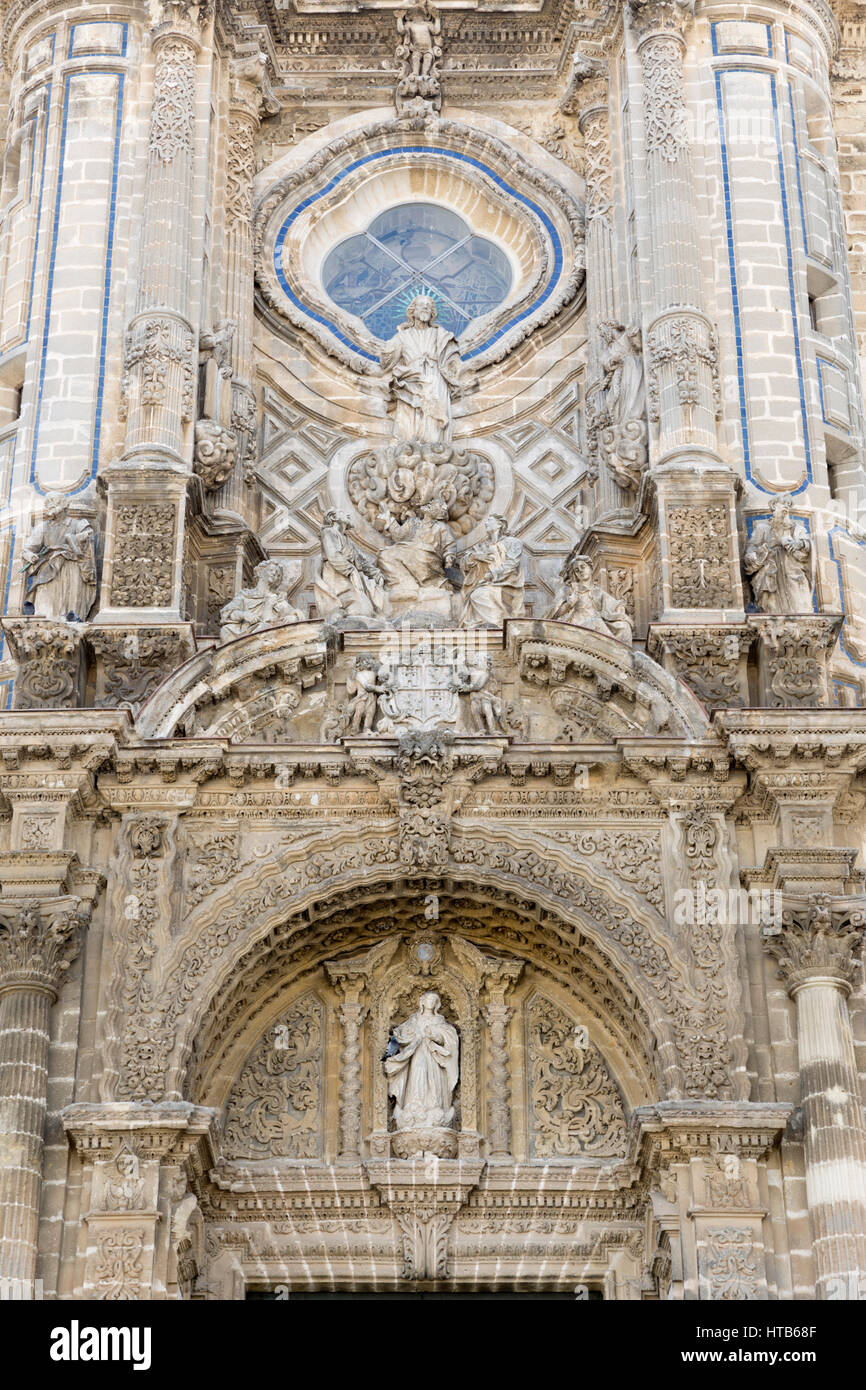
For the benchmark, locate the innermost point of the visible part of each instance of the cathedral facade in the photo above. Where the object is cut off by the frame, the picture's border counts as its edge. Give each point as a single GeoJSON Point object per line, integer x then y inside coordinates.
{"type": "Point", "coordinates": [433, 657]}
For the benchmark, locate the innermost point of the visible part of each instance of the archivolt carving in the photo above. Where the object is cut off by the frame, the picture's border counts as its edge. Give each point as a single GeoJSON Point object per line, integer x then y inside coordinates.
{"type": "Point", "coordinates": [693, 1021]}
{"type": "Point", "coordinates": [451, 134]}
{"type": "Point", "coordinates": [574, 1105]}
{"type": "Point", "coordinates": [275, 1106]}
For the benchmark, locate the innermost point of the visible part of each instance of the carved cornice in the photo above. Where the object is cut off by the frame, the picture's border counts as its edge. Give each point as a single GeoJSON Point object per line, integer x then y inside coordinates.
{"type": "Point", "coordinates": [174, 1129]}
{"type": "Point", "coordinates": [818, 941]}
{"type": "Point", "coordinates": [587, 90]}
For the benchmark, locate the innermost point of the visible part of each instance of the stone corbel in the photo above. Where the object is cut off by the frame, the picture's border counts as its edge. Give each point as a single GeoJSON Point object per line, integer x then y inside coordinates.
{"type": "Point", "coordinates": [711, 660]}
{"type": "Point", "coordinates": [793, 658]}
{"type": "Point", "coordinates": [49, 655]}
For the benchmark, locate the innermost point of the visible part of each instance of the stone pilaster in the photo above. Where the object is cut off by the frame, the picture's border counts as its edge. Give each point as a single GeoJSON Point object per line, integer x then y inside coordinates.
{"type": "Point", "coordinates": [817, 946]}
{"type": "Point", "coordinates": [50, 662]}
{"type": "Point", "coordinates": [588, 96]}
{"type": "Point", "coordinates": [250, 99]}
{"type": "Point", "coordinates": [142, 1228]}
{"type": "Point", "coordinates": [793, 658]}
{"type": "Point", "coordinates": [38, 942]}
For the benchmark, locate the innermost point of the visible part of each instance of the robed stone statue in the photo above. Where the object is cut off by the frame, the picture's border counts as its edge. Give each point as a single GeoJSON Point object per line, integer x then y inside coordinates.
{"type": "Point", "coordinates": [424, 369]}
{"type": "Point", "coordinates": [423, 1073]}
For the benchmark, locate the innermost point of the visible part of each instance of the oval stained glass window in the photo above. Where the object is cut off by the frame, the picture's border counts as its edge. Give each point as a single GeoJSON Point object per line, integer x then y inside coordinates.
{"type": "Point", "coordinates": [417, 248]}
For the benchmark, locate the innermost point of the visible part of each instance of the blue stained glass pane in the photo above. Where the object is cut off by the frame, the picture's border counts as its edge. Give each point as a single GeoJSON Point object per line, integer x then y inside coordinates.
{"type": "Point", "coordinates": [357, 274]}
{"type": "Point", "coordinates": [466, 275]}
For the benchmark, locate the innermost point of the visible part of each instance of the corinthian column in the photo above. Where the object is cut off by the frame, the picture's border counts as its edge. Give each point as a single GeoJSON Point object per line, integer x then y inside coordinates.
{"type": "Point", "coordinates": [37, 945]}
{"type": "Point", "coordinates": [681, 340]}
{"type": "Point", "coordinates": [249, 100]}
{"type": "Point", "coordinates": [817, 947]}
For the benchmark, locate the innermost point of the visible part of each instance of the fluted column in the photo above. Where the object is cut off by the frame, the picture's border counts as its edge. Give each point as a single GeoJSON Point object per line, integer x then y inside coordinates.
{"type": "Point", "coordinates": [161, 361]}
{"type": "Point", "coordinates": [817, 947]}
{"type": "Point", "coordinates": [37, 945]}
{"type": "Point", "coordinates": [250, 99]}
{"type": "Point", "coordinates": [588, 96]}
{"type": "Point", "coordinates": [681, 349]}
{"type": "Point", "coordinates": [144, 540]}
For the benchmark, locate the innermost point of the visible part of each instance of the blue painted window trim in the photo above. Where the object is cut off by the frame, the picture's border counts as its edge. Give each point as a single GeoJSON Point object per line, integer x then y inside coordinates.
{"type": "Point", "coordinates": [427, 150]}
{"type": "Point", "coordinates": [98, 52]}
{"type": "Point", "coordinates": [738, 336]}
{"type": "Point", "coordinates": [106, 294]}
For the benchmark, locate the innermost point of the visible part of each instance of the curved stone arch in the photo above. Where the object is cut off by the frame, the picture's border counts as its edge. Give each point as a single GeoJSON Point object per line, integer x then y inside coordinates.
{"type": "Point", "coordinates": [482, 154]}
{"type": "Point", "coordinates": [258, 672]}
{"type": "Point", "coordinates": [577, 896]}
{"type": "Point", "coordinates": [269, 975]}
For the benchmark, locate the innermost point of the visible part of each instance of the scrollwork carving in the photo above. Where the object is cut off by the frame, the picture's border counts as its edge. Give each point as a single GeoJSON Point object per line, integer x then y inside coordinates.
{"type": "Point", "coordinates": [274, 1109]}
{"type": "Point", "coordinates": [575, 1107]}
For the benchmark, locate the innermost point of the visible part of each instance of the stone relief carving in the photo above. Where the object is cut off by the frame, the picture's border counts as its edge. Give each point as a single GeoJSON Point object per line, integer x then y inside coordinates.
{"type": "Point", "coordinates": [476, 679]}
{"type": "Point", "coordinates": [683, 342]}
{"type": "Point", "coordinates": [778, 561]}
{"type": "Point", "coordinates": [731, 1264]}
{"type": "Point", "coordinates": [274, 1108]}
{"type": "Point", "coordinates": [415, 565]}
{"type": "Point", "coordinates": [48, 657]}
{"type": "Point", "coordinates": [493, 577]}
{"type": "Point", "coordinates": [350, 584]}
{"type": "Point", "coordinates": [817, 939]}
{"type": "Point", "coordinates": [212, 861]}
{"type": "Point", "coordinates": [620, 419]}
{"type": "Point", "coordinates": [171, 124]}
{"type": "Point", "coordinates": [419, 50]}
{"type": "Point", "coordinates": [586, 604]}
{"type": "Point", "coordinates": [214, 455]}
{"type": "Point", "coordinates": [575, 1107]}
{"type": "Point", "coordinates": [399, 480]}
{"type": "Point", "coordinates": [59, 560]}
{"type": "Point", "coordinates": [38, 943]}
{"type": "Point", "coordinates": [265, 605]}
{"type": "Point", "coordinates": [700, 558]}
{"type": "Point", "coordinates": [422, 1066]}
{"type": "Point", "coordinates": [143, 560]}
{"type": "Point", "coordinates": [154, 344]}
{"type": "Point", "coordinates": [792, 657]}
{"type": "Point", "coordinates": [125, 1191]}
{"type": "Point", "coordinates": [119, 1269]}
{"type": "Point", "coordinates": [131, 664]}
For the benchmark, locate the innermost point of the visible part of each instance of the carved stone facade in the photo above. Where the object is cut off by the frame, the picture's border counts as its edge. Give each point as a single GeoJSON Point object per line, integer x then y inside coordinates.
{"type": "Point", "coordinates": [433, 653]}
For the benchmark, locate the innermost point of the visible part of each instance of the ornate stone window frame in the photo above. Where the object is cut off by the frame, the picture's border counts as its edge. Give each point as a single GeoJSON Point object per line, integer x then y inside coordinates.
{"type": "Point", "coordinates": [549, 260]}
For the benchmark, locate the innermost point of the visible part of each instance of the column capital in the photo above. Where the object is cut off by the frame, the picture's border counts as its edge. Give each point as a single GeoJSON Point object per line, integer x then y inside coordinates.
{"type": "Point", "coordinates": [180, 19]}
{"type": "Point", "coordinates": [352, 977]}
{"type": "Point", "coordinates": [587, 90]}
{"type": "Point", "coordinates": [39, 940]}
{"type": "Point", "coordinates": [250, 91]}
{"type": "Point", "coordinates": [818, 941]}
{"type": "Point", "coordinates": [660, 18]}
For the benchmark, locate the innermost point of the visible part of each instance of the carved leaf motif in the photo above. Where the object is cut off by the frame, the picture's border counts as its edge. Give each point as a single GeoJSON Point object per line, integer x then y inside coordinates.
{"type": "Point", "coordinates": [275, 1106]}
{"type": "Point", "coordinates": [575, 1107]}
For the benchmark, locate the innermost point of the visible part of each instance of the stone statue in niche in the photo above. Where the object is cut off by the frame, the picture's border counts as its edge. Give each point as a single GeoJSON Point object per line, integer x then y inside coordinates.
{"type": "Point", "coordinates": [415, 565]}
{"type": "Point", "coordinates": [493, 577]}
{"type": "Point", "coordinates": [622, 422]}
{"type": "Point", "coordinates": [422, 1065]}
{"type": "Point", "coordinates": [778, 561]}
{"type": "Point", "coordinates": [60, 563]}
{"type": "Point", "coordinates": [423, 370]}
{"type": "Point", "coordinates": [266, 605]}
{"type": "Point", "coordinates": [418, 53]}
{"type": "Point", "coordinates": [586, 604]}
{"type": "Point", "coordinates": [350, 583]}
{"type": "Point", "coordinates": [476, 679]}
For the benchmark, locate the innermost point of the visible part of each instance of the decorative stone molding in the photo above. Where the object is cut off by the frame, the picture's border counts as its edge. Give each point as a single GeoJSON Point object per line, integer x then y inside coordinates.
{"type": "Point", "coordinates": [214, 454]}
{"type": "Point", "coordinates": [479, 146]}
{"type": "Point", "coordinates": [710, 660]}
{"type": "Point", "coordinates": [683, 342]}
{"type": "Point", "coordinates": [130, 665]}
{"type": "Point", "coordinates": [39, 940]}
{"type": "Point", "coordinates": [274, 1109]}
{"type": "Point", "coordinates": [574, 1105]}
{"type": "Point", "coordinates": [155, 344]}
{"type": "Point", "coordinates": [49, 658]}
{"type": "Point", "coordinates": [821, 938]}
{"type": "Point", "coordinates": [142, 563]}
{"type": "Point", "coordinates": [700, 557]}
{"type": "Point", "coordinates": [793, 657]}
